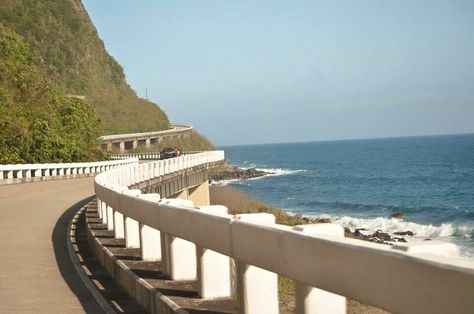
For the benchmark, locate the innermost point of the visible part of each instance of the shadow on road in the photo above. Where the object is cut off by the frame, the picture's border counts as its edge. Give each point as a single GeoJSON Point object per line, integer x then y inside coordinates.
{"type": "Point", "coordinates": [66, 267]}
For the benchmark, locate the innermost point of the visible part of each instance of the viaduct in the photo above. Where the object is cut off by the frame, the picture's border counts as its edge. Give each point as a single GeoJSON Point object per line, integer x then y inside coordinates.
{"type": "Point", "coordinates": [159, 242]}
{"type": "Point", "coordinates": [121, 143]}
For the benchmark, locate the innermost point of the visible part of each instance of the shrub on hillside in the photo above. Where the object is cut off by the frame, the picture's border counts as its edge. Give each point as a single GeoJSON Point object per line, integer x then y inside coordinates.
{"type": "Point", "coordinates": [37, 122]}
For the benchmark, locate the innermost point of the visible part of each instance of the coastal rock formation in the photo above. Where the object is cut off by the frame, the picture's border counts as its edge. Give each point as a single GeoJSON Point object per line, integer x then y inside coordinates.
{"type": "Point", "coordinates": [398, 215]}
{"type": "Point", "coordinates": [378, 236]}
{"type": "Point", "coordinates": [234, 173]}
{"type": "Point", "coordinates": [404, 233]}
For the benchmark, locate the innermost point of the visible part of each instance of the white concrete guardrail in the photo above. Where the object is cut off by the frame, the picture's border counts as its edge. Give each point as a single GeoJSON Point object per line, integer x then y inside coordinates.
{"type": "Point", "coordinates": [141, 156]}
{"type": "Point", "coordinates": [16, 173]}
{"type": "Point", "coordinates": [175, 128]}
{"type": "Point", "coordinates": [146, 155]}
{"type": "Point", "coordinates": [199, 241]}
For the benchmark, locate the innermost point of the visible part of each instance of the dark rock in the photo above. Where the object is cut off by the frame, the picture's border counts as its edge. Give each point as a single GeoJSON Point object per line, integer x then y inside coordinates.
{"type": "Point", "coordinates": [400, 239]}
{"type": "Point", "coordinates": [358, 233]}
{"type": "Point", "coordinates": [323, 220]}
{"type": "Point", "coordinates": [229, 173]}
{"type": "Point", "coordinates": [347, 232]}
{"type": "Point", "coordinates": [404, 233]}
{"type": "Point", "coordinates": [382, 236]}
{"type": "Point", "coordinates": [398, 215]}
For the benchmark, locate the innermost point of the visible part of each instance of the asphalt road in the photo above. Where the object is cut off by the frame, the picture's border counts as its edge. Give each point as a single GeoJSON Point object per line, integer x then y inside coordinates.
{"type": "Point", "coordinates": [36, 274]}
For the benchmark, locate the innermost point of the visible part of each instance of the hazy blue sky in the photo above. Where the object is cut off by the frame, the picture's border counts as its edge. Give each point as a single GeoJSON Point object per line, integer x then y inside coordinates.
{"type": "Point", "coordinates": [274, 71]}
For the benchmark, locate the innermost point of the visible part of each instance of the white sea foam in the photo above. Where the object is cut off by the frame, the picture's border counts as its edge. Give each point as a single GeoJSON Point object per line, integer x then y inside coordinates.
{"type": "Point", "coordinates": [392, 225]}
{"type": "Point", "coordinates": [278, 171]}
{"type": "Point", "coordinates": [224, 182]}
{"type": "Point", "coordinates": [268, 173]}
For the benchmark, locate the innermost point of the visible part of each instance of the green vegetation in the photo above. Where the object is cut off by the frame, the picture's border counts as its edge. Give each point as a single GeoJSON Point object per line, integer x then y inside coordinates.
{"type": "Point", "coordinates": [74, 58]}
{"type": "Point", "coordinates": [38, 123]}
{"type": "Point", "coordinates": [60, 89]}
{"type": "Point", "coordinates": [239, 202]}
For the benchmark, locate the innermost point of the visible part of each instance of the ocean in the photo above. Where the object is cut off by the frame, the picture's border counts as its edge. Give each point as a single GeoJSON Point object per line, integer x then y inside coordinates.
{"type": "Point", "coordinates": [360, 183]}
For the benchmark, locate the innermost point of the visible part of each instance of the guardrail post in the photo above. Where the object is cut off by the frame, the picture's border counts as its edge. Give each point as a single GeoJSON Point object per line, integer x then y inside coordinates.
{"type": "Point", "coordinates": [132, 227]}
{"type": "Point", "coordinates": [119, 226]}
{"type": "Point", "coordinates": [99, 204]}
{"type": "Point", "coordinates": [257, 288]}
{"type": "Point", "coordinates": [213, 268]}
{"type": "Point", "coordinates": [179, 255]}
{"type": "Point", "coordinates": [103, 212]}
{"type": "Point", "coordinates": [150, 238]}
{"type": "Point", "coordinates": [132, 233]}
{"type": "Point", "coordinates": [313, 300]}
{"type": "Point", "coordinates": [110, 218]}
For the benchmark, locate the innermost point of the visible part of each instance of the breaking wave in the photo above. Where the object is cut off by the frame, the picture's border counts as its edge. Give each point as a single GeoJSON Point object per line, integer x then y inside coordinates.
{"type": "Point", "coordinates": [392, 225]}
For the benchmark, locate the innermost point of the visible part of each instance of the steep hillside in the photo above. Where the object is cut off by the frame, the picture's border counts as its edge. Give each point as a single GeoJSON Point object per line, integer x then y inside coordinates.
{"type": "Point", "coordinates": [38, 123]}
{"type": "Point", "coordinates": [74, 58]}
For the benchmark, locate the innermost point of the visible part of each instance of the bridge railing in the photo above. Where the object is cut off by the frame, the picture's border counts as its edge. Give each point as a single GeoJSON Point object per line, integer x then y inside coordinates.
{"type": "Point", "coordinates": [199, 241]}
{"type": "Point", "coordinates": [15, 173]}
{"type": "Point", "coordinates": [141, 156]}
{"type": "Point", "coordinates": [145, 155]}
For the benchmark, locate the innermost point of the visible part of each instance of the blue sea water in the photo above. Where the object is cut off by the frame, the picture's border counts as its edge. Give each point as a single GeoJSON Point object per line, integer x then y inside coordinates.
{"type": "Point", "coordinates": [359, 183]}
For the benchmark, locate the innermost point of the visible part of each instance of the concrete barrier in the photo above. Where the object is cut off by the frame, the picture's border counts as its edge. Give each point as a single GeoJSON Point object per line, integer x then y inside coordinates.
{"type": "Point", "coordinates": [22, 173]}
{"type": "Point", "coordinates": [418, 277]}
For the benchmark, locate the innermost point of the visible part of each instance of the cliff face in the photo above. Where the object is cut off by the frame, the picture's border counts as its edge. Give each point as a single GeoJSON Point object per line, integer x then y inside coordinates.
{"type": "Point", "coordinates": [74, 58]}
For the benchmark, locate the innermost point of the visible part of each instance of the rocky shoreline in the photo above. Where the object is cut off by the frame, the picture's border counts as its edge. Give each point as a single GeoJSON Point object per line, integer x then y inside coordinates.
{"type": "Point", "coordinates": [378, 236]}
{"type": "Point", "coordinates": [225, 173]}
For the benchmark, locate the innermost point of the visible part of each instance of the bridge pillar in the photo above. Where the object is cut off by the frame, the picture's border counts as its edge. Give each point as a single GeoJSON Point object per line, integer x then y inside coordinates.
{"type": "Point", "coordinates": [213, 269]}
{"type": "Point", "coordinates": [184, 194]}
{"type": "Point", "coordinates": [200, 194]}
{"type": "Point", "coordinates": [313, 300]}
{"type": "Point", "coordinates": [147, 142]}
{"type": "Point", "coordinates": [252, 298]}
{"type": "Point", "coordinates": [134, 144]}
{"type": "Point", "coordinates": [122, 146]}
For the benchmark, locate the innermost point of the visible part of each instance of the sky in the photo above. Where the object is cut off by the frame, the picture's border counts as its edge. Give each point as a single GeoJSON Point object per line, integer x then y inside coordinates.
{"type": "Point", "coordinates": [250, 72]}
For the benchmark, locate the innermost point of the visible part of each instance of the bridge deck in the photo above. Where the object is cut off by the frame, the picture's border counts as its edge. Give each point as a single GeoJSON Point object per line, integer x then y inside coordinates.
{"type": "Point", "coordinates": [36, 274]}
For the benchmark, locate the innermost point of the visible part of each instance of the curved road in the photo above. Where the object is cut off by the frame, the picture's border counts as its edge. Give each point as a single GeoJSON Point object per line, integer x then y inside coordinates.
{"type": "Point", "coordinates": [36, 274]}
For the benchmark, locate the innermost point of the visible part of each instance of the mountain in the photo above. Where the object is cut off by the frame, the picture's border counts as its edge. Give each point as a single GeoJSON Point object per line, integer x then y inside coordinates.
{"type": "Point", "coordinates": [38, 122]}
{"type": "Point", "coordinates": [75, 59]}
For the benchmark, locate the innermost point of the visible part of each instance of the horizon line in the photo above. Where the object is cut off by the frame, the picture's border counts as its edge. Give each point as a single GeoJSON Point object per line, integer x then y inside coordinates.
{"type": "Point", "coordinates": [348, 139]}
